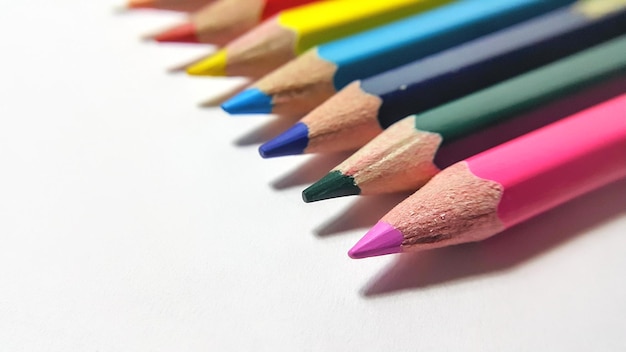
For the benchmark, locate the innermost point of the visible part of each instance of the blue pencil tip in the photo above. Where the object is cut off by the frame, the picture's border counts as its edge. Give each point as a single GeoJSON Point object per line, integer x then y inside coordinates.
{"type": "Point", "coordinates": [250, 101]}
{"type": "Point", "coordinates": [291, 142]}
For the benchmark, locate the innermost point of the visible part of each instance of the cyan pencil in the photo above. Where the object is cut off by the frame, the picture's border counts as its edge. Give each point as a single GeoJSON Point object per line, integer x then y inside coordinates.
{"type": "Point", "coordinates": [302, 84]}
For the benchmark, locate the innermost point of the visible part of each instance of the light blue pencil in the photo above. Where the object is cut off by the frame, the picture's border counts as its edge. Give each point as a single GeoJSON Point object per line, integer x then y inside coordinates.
{"type": "Point", "coordinates": [301, 85]}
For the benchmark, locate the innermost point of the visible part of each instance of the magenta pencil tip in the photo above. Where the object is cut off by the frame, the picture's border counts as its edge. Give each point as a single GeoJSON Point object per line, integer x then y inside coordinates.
{"type": "Point", "coordinates": [379, 240]}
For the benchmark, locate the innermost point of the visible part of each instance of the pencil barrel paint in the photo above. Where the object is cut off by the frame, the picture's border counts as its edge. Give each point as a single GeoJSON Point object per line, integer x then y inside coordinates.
{"type": "Point", "coordinates": [272, 7]}
{"type": "Point", "coordinates": [552, 165]}
{"type": "Point", "coordinates": [335, 13]}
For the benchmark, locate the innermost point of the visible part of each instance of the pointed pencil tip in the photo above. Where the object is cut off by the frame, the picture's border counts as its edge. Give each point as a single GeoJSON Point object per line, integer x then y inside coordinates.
{"type": "Point", "coordinates": [379, 240]}
{"type": "Point", "coordinates": [250, 101]}
{"type": "Point", "coordinates": [333, 185]}
{"type": "Point", "coordinates": [214, 65]}
{"type": "Point", "coordinates": [139, 4]}
{"type": "Point", "coordinates": [291, 142]}
{"type": "Point", "coordinates": [183, 33]}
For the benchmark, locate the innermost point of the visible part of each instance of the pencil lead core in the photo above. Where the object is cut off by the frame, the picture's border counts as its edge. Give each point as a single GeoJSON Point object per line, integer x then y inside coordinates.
{"type": "Point", "coordinates": [333, 185]}
{"type": "Point", "coordinates": [214, 65]}
{"type": "Point", "coordinates": [379, 240]}
{"type": "Point", "coordinates": [292, 142]}
{"type": "Point", "coordinates": [250, 101]}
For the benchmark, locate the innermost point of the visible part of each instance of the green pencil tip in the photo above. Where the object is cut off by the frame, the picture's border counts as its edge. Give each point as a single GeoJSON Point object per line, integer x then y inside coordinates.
{"type": "Point", "coordinates": [333, 185]}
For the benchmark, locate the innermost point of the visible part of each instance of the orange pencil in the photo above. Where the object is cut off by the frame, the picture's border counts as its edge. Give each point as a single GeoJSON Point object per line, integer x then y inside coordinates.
{"type": "Point", "coordinates": [174, 5]}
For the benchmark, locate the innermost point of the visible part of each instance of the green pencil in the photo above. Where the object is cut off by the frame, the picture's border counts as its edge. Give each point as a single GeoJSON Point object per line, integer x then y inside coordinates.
{"type": "Point", "coordinates": [402, 158]}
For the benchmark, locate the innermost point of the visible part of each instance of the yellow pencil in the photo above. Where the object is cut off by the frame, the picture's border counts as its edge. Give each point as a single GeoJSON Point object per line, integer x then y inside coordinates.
{"type": "Point", "coordinates": [291, 32]}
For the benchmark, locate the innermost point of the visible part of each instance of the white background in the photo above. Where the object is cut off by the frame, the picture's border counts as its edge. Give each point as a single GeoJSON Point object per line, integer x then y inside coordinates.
{"type": "Point", "coordinates": [132, 220]}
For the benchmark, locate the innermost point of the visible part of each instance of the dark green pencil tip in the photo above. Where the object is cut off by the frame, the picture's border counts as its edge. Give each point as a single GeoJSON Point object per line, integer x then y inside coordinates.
{"type": "Point", "coordinates": [333, 185]}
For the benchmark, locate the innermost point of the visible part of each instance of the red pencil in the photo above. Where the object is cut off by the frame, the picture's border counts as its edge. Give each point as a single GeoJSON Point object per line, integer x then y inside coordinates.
{"type": "Point", "coordinates": [503, 186]}
{"type": "Point", "coordinates": [224, 20]}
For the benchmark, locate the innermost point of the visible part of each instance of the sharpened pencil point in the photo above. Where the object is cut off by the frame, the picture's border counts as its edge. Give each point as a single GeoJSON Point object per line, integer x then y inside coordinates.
{"type": "Point", "coordinates": [140, 4]}
{"type": "Point", "coordinates": [291, 142]}
{"type": "Point", "coordinates": [379, 240]}
{"type": "Point", "coordinates": [333, 185]}
{"type": "Point", "coordinates": [211, 66]}
{"type": "Point", "coordinates": [184, 33]}
{"type": "Point", "coordinates": [250, 101]}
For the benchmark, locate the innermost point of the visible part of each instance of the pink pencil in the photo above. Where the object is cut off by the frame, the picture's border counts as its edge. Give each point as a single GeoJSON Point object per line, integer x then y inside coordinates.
{"type": "Point", "coordinates": [503, 186]}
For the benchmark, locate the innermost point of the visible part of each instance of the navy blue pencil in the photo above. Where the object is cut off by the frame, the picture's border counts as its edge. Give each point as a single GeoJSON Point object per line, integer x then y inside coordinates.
{"type": "Point", "coordinates": [363, 109]}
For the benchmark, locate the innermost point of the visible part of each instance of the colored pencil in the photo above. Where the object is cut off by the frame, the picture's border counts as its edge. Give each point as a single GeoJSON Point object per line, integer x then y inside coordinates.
{"type": "Point", "coordinates": [405, 156]}
{"type": "Point", "coordinates": [362, 109]}
{"type": "Point", "coordinates": [503, 186]}
{"type": "Point", "coordinates": [174, 5]}
{"type": "Point", "coordinates": [302, 84]}
{"type": "Point", "coordinates": [291, 32]}
{"type": "Point", "coordinates": [224, 20]}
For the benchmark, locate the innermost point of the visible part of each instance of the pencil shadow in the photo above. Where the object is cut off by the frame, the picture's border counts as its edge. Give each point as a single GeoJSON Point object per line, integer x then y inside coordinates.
{"type": "Point", "coordinates": [529, 121]}
{"type": "Point", "coordinates": [361, 214]}
{"type": "Point", "coordinates": [309, 172]}
{"type": "Point", "coordinates": [504, 251]}
{"type": "Point", "coordinates": [265, 132]}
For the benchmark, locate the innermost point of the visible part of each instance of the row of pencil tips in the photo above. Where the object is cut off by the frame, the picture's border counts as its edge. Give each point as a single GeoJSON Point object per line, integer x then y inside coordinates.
{"type": "Point", "coordinates": [491, 112]}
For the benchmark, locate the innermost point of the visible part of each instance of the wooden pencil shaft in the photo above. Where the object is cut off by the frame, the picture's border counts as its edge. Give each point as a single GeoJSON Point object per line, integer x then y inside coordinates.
{"type": "Point", "coordinates": [242, 10]}
{"type": "Point", "coordinates": [222, 21]}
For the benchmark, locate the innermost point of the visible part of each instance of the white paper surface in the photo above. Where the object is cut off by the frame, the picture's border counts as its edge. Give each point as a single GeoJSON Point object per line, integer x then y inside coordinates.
{"type": "Point", "coordinates": [131, 220]}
